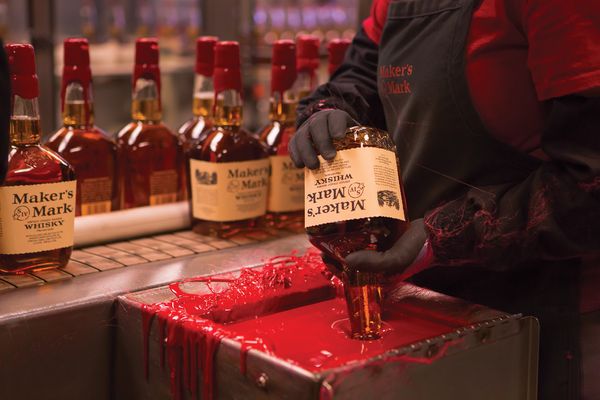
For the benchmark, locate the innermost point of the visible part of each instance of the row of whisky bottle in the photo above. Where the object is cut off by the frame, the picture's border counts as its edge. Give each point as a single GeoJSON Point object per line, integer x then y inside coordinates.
{"type": "Point", "coordinates": [238, 181]}
{"type": "Point", "coordinates": [145, 168]}
{"type": "Point", "coordinates": [145, 165]}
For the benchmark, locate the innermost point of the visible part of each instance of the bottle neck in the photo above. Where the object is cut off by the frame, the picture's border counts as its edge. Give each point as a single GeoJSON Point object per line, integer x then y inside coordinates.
{"type": "Point", "coordinates": [306, 83]}
{"type": "Point", "coordinates": [25, 128]}
{"type": "Point", "coordinates": [204, 96]}
{"type": "Point", "coordinates": [283, 107]}
{"type": "Point", "coordinates": [78, 107]}
{"type": "Point", "coordinates": [145, 105]}
{"type": "Point", "coordinates": [228, 108]}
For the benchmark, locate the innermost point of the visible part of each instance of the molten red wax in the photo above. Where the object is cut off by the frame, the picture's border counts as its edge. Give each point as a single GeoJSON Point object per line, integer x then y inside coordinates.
{"type": "Point", "coordinates": [291, 309]}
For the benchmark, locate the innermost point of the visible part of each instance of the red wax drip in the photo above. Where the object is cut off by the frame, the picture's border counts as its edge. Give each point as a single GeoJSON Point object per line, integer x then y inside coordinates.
{"type": "Point", "coordinates": [191, 326]}
{"type": "Point", "coordinates": [290, 309]}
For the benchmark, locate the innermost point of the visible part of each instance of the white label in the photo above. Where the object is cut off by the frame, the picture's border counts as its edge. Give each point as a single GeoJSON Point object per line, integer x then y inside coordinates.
{"type": "Point", "coordinates": [36, 218]}
{"type": "Point", "coordinates": [286, 189]}
{"type": "Point", "coordinates": [231, 191]}
{"type": "Point", "coordinates": [357, 183]}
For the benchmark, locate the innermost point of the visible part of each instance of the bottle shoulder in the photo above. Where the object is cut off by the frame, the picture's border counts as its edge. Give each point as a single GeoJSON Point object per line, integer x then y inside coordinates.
{"type": "Point", "coordinates": [37, 164]}
{"type": "Point", "coordinates": [276, 137]}
{"type": "Point", "coordinates": [229, 144]}
{"type": "Point", "coordinates": [364, 136]}
{"type": "Point", "coordinates": [67, 138]}
{"type": "Point", "coordinates": [189, 125]}
{"type": "Point", "coordinates": [138, 132]}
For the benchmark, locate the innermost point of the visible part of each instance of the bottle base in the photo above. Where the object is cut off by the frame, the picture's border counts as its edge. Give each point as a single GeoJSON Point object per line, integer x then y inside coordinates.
{"type": "Point", "coordinates": [18, 264]}
{"type": "Point", "coordinates": [291, 221]}
{"type": "Point", "coordinates": [224, 230]}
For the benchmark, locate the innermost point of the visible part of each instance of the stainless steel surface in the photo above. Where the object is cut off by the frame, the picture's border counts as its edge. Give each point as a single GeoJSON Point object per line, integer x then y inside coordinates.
{"type": "Point", "coordinates": [57, 339]}
{"type": "Point", "coordinates": [492, 357]}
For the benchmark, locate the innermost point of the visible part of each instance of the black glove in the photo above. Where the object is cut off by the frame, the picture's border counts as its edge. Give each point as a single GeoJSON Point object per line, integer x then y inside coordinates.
{"type": "Point", "coordinates": [316, 135]}
{"type": "Point", "coordinates": [409, 255]}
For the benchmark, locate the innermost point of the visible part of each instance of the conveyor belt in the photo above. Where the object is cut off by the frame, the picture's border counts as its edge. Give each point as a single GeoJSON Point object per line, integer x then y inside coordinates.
{"type": "Point", "coordinates": [139, 251]}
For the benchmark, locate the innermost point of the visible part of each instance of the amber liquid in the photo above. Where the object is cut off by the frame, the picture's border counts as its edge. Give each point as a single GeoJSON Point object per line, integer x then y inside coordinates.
{"type": "Point", "coordinates": [198, 126]}
{"type": "Point", "coordinates": [151, 165]}
{"type": "Point", "coordinates": [226, 144]}
{"type": "Point", "coordinates": [276, 137]}
{"type": "Point", "coordinates": [30, 163]}
{"type": "Point", "coordinates": [339, 239]}
{"type": "Point", "coordinates": [94, 157]}
{"type": "Point", "coordinates": [363, 292]}
{"type": "Point", "coordinates": [195, 131]}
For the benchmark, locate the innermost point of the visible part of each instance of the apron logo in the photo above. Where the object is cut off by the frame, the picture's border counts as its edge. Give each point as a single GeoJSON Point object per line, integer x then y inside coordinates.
{"type": "Point", "coordinates": [395, 79]}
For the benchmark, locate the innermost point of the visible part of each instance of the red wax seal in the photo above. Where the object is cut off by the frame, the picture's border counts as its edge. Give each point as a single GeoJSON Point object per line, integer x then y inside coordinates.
{"type": "Point", "coordinates": [21, 64]}
{"type": "Point", "coordinates": [146, 60]}
{"type": "Point", "coordinates": [205, 55]}
{"type": "Point", "coordinates": [283, 66]}
{"type": "Point", "coordinates": [337, 50]}
{"type": "Point", "coordinates": [227, 74]}
{"type": "Point", "coordinates": [307, 53]}
{"type": "Point", "coordinates": [76, 67]}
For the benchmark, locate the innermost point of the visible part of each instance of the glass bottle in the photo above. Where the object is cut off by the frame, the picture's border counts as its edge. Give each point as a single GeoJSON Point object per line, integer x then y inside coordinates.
{"type": "Point", "coordinates": [285, 205]}
{"type": "Point", "coordinates": [150, 155]}
{"type": "Point", "coordinates": [356, 202]}
{"type": "Point", "coordinates": [87, 148]}
{"type": "Point", "coordinates": [204, 94]}
{"type": "Point", "coordinates": [307, 63]}
{"type": "Point", "coordinates": [229, 171]}
{"type": "Point", "coordinates": [37, 197]}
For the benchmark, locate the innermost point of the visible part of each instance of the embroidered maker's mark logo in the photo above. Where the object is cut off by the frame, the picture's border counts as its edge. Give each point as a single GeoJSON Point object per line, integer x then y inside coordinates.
{"type": "Point", "coordinates": [395, 79]}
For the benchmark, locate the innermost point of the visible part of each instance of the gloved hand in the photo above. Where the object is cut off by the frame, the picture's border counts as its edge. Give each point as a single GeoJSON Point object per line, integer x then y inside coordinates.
{"type": "Point", "coordinates": [409, 255]}
{"type": "Point", "coordinates": [316, 135]}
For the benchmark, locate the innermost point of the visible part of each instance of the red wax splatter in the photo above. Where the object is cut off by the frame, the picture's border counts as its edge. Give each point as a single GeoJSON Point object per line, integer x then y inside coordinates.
{"type": "Point", "coordinates": [291, 308]}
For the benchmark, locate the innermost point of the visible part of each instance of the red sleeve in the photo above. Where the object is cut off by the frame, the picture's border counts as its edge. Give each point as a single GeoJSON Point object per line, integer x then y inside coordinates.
{"type": "Point", "coordinates": [564, 45]}
{"type": "Point", "coordinates": [373, 25]}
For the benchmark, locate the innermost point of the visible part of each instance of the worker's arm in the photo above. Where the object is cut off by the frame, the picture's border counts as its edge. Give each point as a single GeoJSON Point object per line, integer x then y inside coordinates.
{"type": "Point", "coordinates": [553, 214]}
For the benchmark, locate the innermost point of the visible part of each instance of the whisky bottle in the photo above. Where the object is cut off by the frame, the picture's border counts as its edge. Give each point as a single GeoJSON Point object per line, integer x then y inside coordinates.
{"type": "Point", "coordinates": [202, 107]}
{"type": "Point", "coordinates": [307, 63]}
{"type": "Point", "coordinates": [87, 148]}
{"type": "Point", "coordinates": [356, 202]}
{"type": "Point", "coordinates": [37, 197]}
{"type": "Point", "coordinates": [150, 155]}
{"type": "Point", "coordinates": [285, 205]}
{"type": "Point", "coordinates": [229, 171]}
{"type": "Point", "coordinates": [336, 50]}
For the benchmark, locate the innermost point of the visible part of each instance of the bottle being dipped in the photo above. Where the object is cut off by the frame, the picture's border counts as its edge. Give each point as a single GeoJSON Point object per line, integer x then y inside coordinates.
{"type": "Point", "coordinates": [37, 197]}
{"type": "Point", "coordinates": [356, 202]}
{"type": "Point", "coordinates": [204, 93]}
{"type": "Point", "coordinates": [87, 148]}
{"type": "Point", "coordinates": [150, 155]}
{"type": "Point", "coordinates": [285, 205]}
{"type": "Point", "coordinates": [229, 171]}
{"type": "Point", "coordinates": [336, 49]}
{"type": "Point", "coordinates": [307, 64]}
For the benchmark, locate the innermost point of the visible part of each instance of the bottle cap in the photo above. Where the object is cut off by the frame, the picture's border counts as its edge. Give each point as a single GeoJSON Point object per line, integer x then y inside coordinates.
{"type": "Point", "coordinates": [283, 66]}
{"type": "Point", "coordinates": [307, 53]}
{"type": "Point", "coordinates": [205, 55]}
{"type": "Point", "coordinates": [21, 64]}
{"type": "Point", "coordinates": [146, 60]}
{"type": "Point", "coordinates": [76, 67]}
{"type": "Point", "coordinates": [227, 74]}
{"type": "Point", "coordinates": [337, 50]}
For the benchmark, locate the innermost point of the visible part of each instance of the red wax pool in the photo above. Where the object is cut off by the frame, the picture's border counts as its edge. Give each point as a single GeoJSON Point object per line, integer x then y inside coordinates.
{"type": "Point", "coordinates": [288, 309]}
{"type": "Point", "coordinates": [316, 336]}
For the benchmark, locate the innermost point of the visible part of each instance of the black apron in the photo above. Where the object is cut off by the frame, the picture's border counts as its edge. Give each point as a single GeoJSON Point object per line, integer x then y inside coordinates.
{"type": "Point", "coordinates": [445, 150]}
